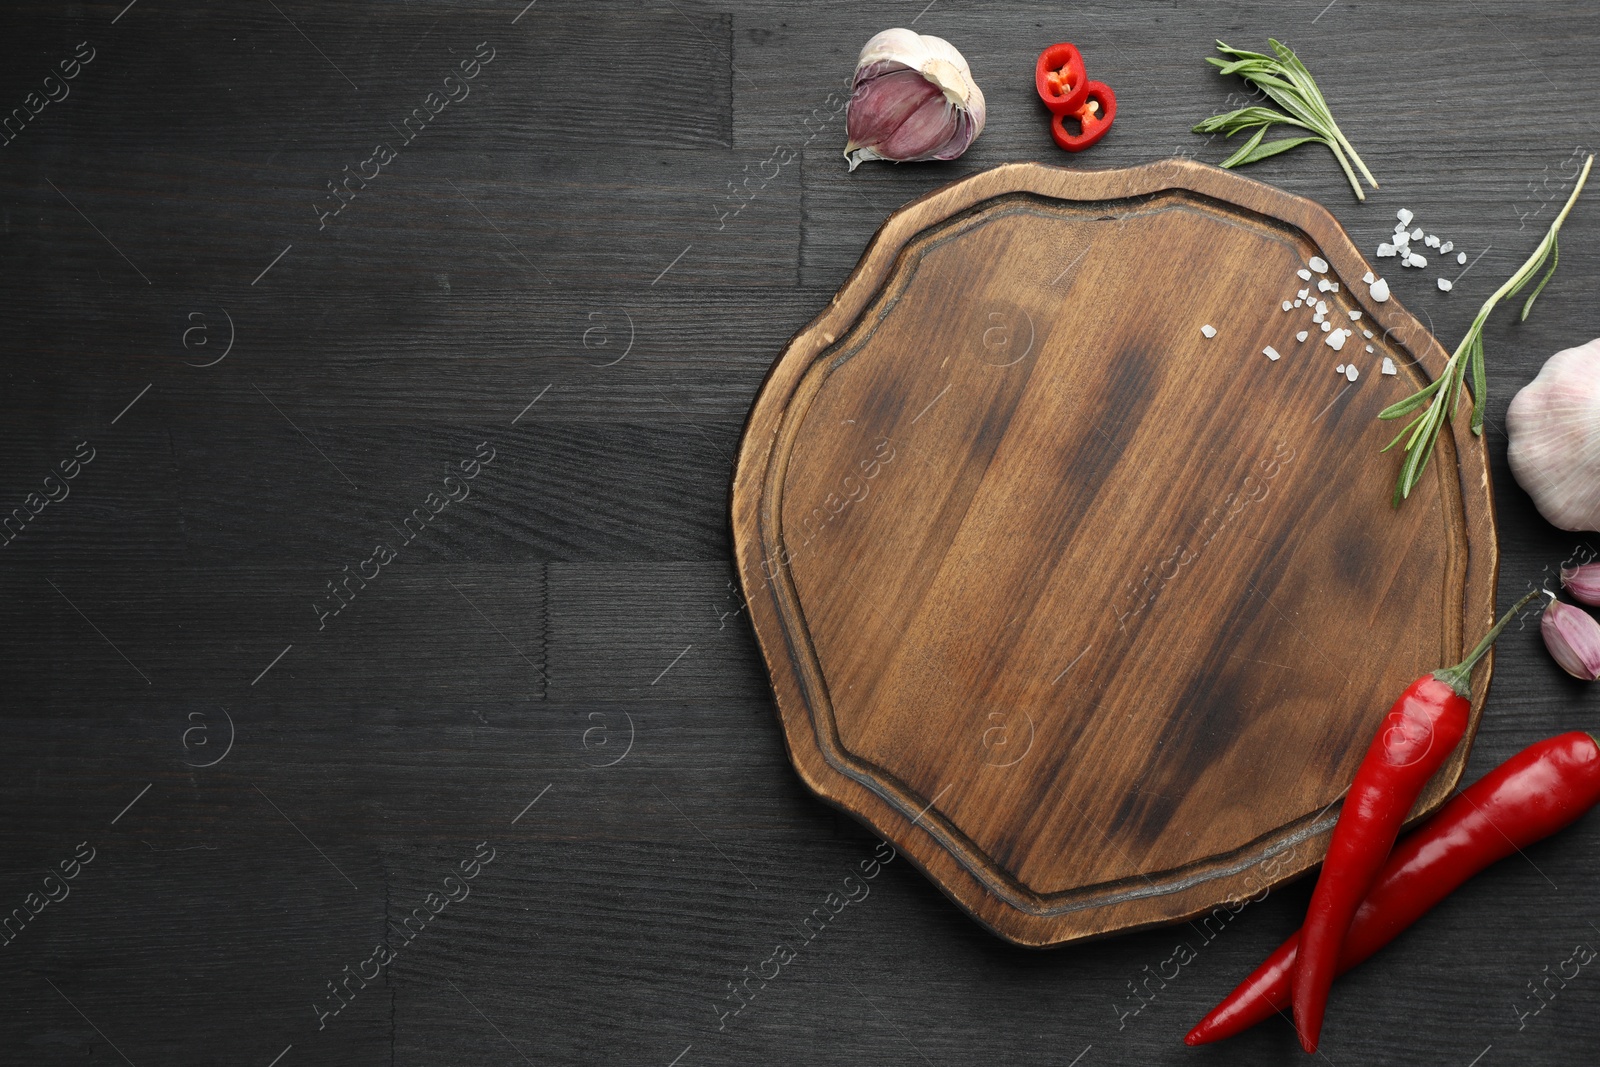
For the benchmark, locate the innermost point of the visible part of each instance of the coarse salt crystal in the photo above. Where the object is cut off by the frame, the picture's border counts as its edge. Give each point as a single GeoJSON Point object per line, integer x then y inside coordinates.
{"type": "Point", "coordinates": [1305, 275]}
{"type": "Point", "coordinates": [1324, 285]}
{"type": "Point", "coordinates": [1415, 260]}
{"type": "Point", "coordinates": [1367, 334]}
{"type": "Point", "coordinates": [1385, 250]}
{"type": "Point", "coordinates": [1432, 240]}
{"type": "Point", "coordinates": [1334, 286]}
{"type": "Point", "coordinates": [1271, 353]}
{"type": "Point", "coordinates": [1368, 278]}
{"type": "Point", "coordinates": [1402, 239]}
{"type": "Point", "coordinates": [1388, 366]}
{"type": "Point", "coordinates": [1317, 317]}
{"type": "Point", "coordinates": [1371, 349]}
{"type": "Point", "coordinates": [1447, 246]}
{"type": "Point", "coordinates": [1288, 305]}
{"type": "Point", "coordinates": [1461, 257]}
{"type": "Point", "coordinates": [1416, 234]}
{"type": "Point", "coordinates": [1355, 316]}
{"type": "Point", "coordinates": [1209, 330]}
{"type": "Point", "coordinates": [1304, 294]}
{"type": "Point", "coordinates": [1299, 303]}
{"type": "Point", "coordinates": [1322, 307]}
{"type": "Point", "coordinates": [1319, 264]}
{"type": "Point", "coordinates": [1351, 374]}
{"type": "Point", "coordinates": [1405, 216]}
{"type": "Point", "coordinates": [1302, 335]}
{"type": "Point", "coordinates": [1339, 369]}
{"type": "Point", "coordinates": [1446, 284]}
{"type": "Point", "coordinates": [1326, 326]}
{"type": "Point", "coordinates": [1380, 290]}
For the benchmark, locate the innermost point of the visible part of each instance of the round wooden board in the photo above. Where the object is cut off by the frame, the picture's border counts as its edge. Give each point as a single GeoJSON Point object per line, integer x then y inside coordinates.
{"type": "Point", "coordinates": [1090, 614]}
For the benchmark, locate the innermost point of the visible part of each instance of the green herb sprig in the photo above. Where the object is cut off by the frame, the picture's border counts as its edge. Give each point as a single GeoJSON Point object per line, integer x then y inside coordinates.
{"type": "Point", "coordinates": [1287, 81]}
{"type": "Point", "coordinates": [1443, 393]}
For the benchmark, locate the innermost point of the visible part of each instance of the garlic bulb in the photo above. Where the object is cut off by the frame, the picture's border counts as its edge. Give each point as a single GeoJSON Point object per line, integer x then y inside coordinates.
{"type": "Point", "coordinates": [912, 98]}
{"type": "Point", "coordinates": [1554, 427]}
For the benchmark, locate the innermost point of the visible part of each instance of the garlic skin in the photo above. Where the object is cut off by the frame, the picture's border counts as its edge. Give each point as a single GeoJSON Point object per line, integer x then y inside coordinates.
{"type": "Point", "coordinates": [1554, 427]}
{"type": "Point", "coordinates": [912, 98]}
{"type": "Point", "coordinates": [1573, 638]}
{"type": "Point", "coordinates": [1582, 582]}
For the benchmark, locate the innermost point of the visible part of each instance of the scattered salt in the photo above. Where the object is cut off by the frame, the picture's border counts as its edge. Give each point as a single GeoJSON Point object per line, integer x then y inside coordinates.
{"type": "Point", "coordinates": [1414, 260]}
{"type": "Point", "coordinates": [1351, 374]}
{"type": "Point", "coordinates": [1271, 353]}
{"type": "Point", "coordinates": [1339, 369]}
{"type": "Point", "coordinates": [1318, 264]}
{"type": "Point", "coordinates": [1432, 240]}
{"type": "Point", "coordinates": [1334, 340]}
{"type": "Point", "coordinates": [1405, 216]}
{"type": "Point", "coordinates": [1380, 290]}
{"type": "Point", "coordinates": [1326, 326]}
{"type": "Point", "coordinates": [1299, 303]}
{"type": "Point", "coordinates": [1209, 330]}
{"type": "Point", "coordinates": [1371, 349]}
{"type": "Point", "coordinates": [1355, 316]}
{"type": "Point", "coordinates": [1317, 317]}
{"type": "Point", "coordinates": [1324, 285]}
{"type": "Point", "coordinates": [1461, 257]}
{"type": "Point", "coordinates": [1388, 366]}
{"type": "Point", "coordinates": [1368, 278]}
{"type": "Point", "coordinates": [1367, 334]}
{"type": "Point", "coordinates": [1416, 234]}
{"type": "Point", "coordinates": [1446, 284]}
{"type": "Point", "coordinates": [1386, 250]}
{"type": "Point", "coordinates": [1446, 247]}
{"type": "Point", "coordinates": [1288, 305]}
{"type": "Point", "coordinates": [1334, 286]}
{"type": "Point", "coordinates": [1304, 294]}
{"type": "Point", "coordinates": [1302, 335]}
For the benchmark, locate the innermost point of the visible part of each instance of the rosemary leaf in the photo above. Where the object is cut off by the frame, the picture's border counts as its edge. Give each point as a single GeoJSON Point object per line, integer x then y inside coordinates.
{"type": "Point", "coordinates": [1286, 81]}
{"type": "Point", "coordinates": [1444, 392]}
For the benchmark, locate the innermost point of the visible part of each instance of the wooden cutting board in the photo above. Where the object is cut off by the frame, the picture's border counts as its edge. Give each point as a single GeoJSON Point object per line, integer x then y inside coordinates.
{"type": "Point", "coordinates": [1090, 614]}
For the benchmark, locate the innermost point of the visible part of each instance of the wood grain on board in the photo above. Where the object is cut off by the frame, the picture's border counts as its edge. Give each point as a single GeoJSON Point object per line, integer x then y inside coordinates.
{"type": "Point", "coordinates": [1091, 613]}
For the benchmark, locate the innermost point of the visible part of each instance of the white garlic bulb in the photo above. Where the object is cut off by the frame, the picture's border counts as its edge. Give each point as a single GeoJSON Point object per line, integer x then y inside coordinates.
{"type": "Point", "coordinates": [912, 98]}
{"type": "Point", "coordinates": [1554, 426]}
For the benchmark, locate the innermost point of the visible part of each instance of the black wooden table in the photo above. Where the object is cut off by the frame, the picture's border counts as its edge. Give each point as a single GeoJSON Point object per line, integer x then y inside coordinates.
{"type": "Point", "coordinates": [378, 675]}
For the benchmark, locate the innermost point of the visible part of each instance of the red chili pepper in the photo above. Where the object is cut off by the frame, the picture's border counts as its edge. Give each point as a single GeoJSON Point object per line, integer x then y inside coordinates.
{"type": "Point", "coordinates": [1094, 118]}
{"type": "Point", "coordinates": [1530, 796]}
{"type": "Point", "coordinates": [1060, 78]}
{"type": "Point", "coordinates": [1413, 741]}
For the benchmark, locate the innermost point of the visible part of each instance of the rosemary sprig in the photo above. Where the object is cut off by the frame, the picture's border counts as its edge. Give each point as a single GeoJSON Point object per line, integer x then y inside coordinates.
{"type": "Point", "coordinates": [1287, 81]}
{"type": "Point", "coordinates": [1442, 394]}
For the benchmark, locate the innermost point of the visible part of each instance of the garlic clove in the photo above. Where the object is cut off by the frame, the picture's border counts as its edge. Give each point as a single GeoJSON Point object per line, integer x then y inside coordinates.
{"type": "Point", "coordinates": [1573, 638]}
{"type": "Point", "coordinates": [913, 99]}
{"type": "Point", "coordinates": [1554, 428]}
{"type": "Point", "coordinates": [1583, 582]}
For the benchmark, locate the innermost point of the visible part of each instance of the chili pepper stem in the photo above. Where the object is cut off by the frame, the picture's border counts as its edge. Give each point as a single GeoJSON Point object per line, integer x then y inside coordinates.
{"type": "Point", "coordinates": [1459, 677]}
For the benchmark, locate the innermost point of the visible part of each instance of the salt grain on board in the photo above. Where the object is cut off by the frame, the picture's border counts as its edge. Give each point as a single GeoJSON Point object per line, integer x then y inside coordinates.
{"type": "Point", "coordinates": [1416, 234]}
{"type": "Point", "coordinates": [1446, 247]}
{"type": "Point", "coordinates": [1319, 264]}
{"type": "Point", "coordinates": [1322, 307]}
{"type": "Point", "coordinates": [1385, 249]}
{"type": "Point", "coordinates": [1339, 369]}
{"type": "Point", "coordinates": [1351, 374]}
{"type": "Point", "coordinates": [1271, 353]}
{"type": "Point", "coordinates": [1326, 325]}
{"type": "Point", "coordinates": [1461, 257]}
{"type": "Point", "coordinates": [1368, 278]}
{"type": "Point", "coordinates": [1302, 335]}
{"type": "Point", "coordinates": [1405, 216]}
{"type": "Point", "coordinates": [1304, 294]}
{"type": "Point", "coordinates": [1288, 305]}
{"type": "Point", "coordinates": [1388, 366]}
{"type": "Point", "coordinates": [1305, 275]}
{"type": "Point", "coordinates": [1371, 349]}
{"type": "Point", "coordinates": [1432, 240]}
{"type": "Point", "coordinates": [1209, 330]}
{"type": "Point", "coordinates": [1367, 334]}
{"type": "Point", "coordinates": [1335, 340]}
{"type": "Point", "coordinates": [1324, 285]}
{"type": "Point", "coordinates": [1355, 316]}
{"type": "Point", "coordinates": [1446, 284]}
{"type": "Point", "coordinates": [1380, 290]}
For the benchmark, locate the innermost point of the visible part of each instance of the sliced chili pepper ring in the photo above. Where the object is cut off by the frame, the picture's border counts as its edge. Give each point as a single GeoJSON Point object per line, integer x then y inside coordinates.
{"type": "Point", "coordinates": [1060, 78]}
{"type": "Point", "coordinates": [1093, 119]}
